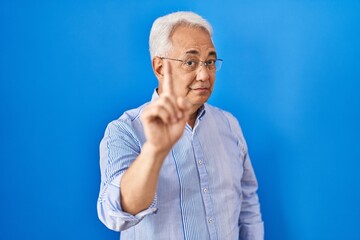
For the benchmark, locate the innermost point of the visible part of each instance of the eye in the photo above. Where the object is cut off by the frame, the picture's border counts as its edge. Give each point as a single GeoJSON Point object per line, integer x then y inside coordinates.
{"type": "Point", "coordinates": [210, 62]}
{"type": "Point", "coordinates": [190, 63]}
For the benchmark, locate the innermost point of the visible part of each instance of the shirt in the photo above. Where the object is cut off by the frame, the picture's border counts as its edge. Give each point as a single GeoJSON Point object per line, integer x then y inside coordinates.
{"type": "Point", "coordinates": [207, 188]}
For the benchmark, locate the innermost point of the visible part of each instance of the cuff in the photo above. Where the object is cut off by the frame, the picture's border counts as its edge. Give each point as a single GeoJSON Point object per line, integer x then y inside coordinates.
{"type": "Point", "coordinates": [111, 213]}
{"type": "Point", "coordinates": [252, 231]}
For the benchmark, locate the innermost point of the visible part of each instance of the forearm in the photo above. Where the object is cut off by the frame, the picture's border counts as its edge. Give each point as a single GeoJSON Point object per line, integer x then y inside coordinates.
{"type": "Point", "coordinates": [139, 183]}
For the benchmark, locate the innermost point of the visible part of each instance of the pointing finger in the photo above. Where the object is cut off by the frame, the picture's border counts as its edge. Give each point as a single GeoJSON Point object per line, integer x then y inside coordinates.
{"type": "Point", "coordinates": [168, 87]}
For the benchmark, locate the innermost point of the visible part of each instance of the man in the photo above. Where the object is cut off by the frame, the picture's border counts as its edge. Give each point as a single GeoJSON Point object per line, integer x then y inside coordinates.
{"type": "Point", "coordinates": [176, 167]}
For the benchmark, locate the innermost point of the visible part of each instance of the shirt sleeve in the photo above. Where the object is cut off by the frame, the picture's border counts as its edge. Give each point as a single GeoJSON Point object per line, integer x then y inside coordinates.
{"type": "Point", "coordinates": [250, 220]}
{"type": "Point", "coordinates": [118, 149]}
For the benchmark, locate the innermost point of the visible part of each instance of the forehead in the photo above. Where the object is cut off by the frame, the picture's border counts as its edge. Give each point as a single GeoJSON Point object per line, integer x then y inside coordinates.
{"type": "Point", "coordinates": [185, 39]}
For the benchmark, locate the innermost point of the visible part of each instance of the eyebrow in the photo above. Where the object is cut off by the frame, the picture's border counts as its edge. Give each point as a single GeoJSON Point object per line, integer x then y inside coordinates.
{"type": "Point", "coordinates": [196, 52]}
{"type": "Point", "coordinates": [212, 53]}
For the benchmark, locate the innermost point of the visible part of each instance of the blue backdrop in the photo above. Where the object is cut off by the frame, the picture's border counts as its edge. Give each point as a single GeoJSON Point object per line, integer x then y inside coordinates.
{"type": "Point", "coordinates": [290, 75]}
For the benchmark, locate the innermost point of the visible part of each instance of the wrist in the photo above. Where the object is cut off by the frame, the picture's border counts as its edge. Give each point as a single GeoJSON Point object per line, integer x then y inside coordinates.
{"type": "Point", "coordinates": [154, 151]}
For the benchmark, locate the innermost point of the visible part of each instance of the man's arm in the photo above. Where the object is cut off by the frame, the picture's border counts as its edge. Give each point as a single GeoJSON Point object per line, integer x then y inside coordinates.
{"type": "Point", "coordinates": [129, 172]}
{"type": "Point", "coordinates": [164, 122]}
{"type": "Point", "coordinates": [138, 185]}
{"type": "Point", "coordinates": [250, 221]}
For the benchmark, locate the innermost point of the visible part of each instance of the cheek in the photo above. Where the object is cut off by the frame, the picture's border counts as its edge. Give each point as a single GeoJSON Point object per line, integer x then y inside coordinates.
{"type": "Point", "coordinates": [182, 85]}
{"type": "Point", "coordinates": [211, 81]}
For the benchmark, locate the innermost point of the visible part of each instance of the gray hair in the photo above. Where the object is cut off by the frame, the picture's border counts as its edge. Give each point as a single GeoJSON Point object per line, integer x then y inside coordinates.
{"type": "Point", "coordinates": [163, 27]}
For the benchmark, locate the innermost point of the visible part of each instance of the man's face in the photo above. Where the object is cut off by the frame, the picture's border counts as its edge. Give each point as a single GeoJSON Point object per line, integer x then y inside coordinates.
{"type": "Point", "coordinates": [191, 44]}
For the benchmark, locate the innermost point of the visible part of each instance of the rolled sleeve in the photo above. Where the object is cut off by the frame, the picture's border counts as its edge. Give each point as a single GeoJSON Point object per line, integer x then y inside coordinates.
{"type": "Point", "coordinates": [110, 211]}
{"type": "Point", "coordinates": [119, 147]}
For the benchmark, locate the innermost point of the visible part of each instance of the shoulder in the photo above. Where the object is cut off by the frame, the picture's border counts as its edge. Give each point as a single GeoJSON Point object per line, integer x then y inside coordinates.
{"type": "Point", "coordinates": [222, 115]}
{"type": "Point", "coordinates": [130, 117]}
{"type": "Point", "coordinates": [128, 125]}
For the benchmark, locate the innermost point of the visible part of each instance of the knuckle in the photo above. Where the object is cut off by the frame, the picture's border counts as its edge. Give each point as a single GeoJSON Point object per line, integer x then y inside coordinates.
{"type": "Point", "coordinates": [167, 101]}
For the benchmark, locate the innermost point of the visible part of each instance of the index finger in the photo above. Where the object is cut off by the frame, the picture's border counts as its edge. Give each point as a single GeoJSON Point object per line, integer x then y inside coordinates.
{"type": "Point", "coordinates": [168, 87]}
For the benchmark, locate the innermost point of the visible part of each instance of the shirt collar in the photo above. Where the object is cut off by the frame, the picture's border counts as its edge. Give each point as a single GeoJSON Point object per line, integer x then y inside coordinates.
{"type": "Point", "coordinates": [155, 95]}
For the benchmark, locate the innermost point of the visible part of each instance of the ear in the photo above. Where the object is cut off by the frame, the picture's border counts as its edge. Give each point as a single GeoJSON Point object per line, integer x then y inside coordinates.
{"type": "Point", "coordinates": [157, 66]}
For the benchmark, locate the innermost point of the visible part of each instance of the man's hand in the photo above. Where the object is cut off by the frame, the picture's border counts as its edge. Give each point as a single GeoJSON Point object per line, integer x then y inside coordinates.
{"type": "Point", "coordinates": [164, 119]}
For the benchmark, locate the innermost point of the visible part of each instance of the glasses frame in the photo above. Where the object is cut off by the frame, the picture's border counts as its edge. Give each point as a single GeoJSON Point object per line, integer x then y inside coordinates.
{"type": "Point", "coordinates": [217, 60]}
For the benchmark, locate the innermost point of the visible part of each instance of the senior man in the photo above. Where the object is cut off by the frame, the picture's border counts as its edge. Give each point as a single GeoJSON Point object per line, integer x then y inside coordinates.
{"type": "Point", "coordinates": [177, 167]}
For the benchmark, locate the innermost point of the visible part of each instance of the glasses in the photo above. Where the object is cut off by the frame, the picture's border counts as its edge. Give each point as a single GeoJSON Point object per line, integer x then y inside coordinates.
{"type": "Point", "coordinates": [190, 65]}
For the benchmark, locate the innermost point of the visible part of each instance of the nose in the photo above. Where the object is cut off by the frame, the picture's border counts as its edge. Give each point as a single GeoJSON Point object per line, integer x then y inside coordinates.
{"type": "Point", "coordinates": [202, 73]}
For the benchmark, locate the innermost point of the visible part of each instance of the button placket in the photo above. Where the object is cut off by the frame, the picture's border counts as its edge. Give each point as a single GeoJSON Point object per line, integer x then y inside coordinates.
{"type": "Point", "coordinates": [204, 186]}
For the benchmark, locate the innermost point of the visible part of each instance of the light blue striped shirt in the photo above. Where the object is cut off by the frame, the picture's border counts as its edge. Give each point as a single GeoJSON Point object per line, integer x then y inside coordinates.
{"type": "Point", "coordinates": [206, 189]}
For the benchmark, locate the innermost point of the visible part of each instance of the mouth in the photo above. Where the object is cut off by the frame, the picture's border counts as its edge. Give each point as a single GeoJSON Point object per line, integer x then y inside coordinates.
{"type": "Point", "coordinates": [201, 90]}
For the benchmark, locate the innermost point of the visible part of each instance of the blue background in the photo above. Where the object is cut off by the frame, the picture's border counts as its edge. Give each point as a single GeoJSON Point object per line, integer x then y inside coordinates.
{"type": "Point", "coordinates": [290, 75]}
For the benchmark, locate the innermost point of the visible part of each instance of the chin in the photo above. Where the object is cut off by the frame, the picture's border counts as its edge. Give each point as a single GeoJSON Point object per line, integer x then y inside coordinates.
{"type": "Point", "coordinates": [199, 101]}
{"type": "Point", "coordinates": [198, 98]}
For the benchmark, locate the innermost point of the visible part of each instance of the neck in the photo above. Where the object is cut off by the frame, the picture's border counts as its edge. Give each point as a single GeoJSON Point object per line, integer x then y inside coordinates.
{"type": "Point", "coordinates": [192, 118]}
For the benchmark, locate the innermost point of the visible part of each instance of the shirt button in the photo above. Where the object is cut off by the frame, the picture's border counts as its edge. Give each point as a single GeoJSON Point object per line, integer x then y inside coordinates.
{"type": "Point", "coordinates": [200, 162]}
{"type": "Point", "coordinates": [205, 190]}
{"type": "Point", "coordinates": [210, 220]}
